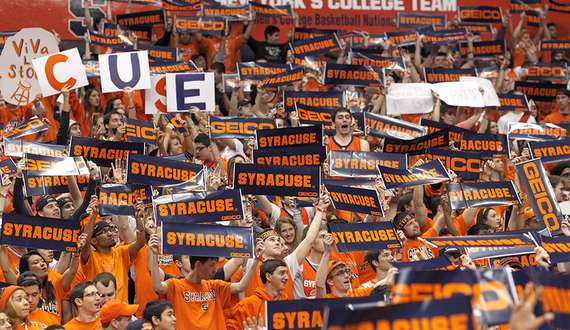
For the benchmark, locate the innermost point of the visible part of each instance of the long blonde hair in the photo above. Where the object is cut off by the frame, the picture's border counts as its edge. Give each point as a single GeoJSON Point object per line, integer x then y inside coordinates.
{"type": "Point", "coordinates": [11, 311]}
{"type": "Point", "coordinates": [280, 222]}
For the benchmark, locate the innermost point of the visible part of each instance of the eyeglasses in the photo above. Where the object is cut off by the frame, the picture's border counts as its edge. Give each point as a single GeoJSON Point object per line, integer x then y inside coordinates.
{"type": "Point", "coordinates": [105, 231]}
{"type": "Point", "coordinates": [198, 149]}
{"type": "Point", "coordinates": [93, 294]}
{"type": "Point", "coordinates": [341, 272]}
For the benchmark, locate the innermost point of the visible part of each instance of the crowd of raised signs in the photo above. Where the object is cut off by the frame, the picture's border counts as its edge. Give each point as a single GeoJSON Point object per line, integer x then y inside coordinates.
{"type": "Point", "coordinates": [419, 175]}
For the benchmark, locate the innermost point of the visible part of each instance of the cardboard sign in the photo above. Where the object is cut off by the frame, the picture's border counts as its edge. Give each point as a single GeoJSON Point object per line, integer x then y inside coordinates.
{"type": "Point", "coordinates": [315, 46]}
{"type": "Point", "coordinates": [518, 6]}
{"type": "Point", "coordinates": [303, 181]}
{"type": "Point", "coordinates": [376, 40]}
{"type": "Point", "coordinates": [384, 126]}
{"type": "Point", "coordinates": [409, 98]}
{"type": "Point", "coordinates": [40, 233]}
{"type": "Point", "coordinates": [186, 90]}
{"type": "Point", "coordinates": [555, 293]}
{"type": "Point", "coordinates": [417, 20]}
{"type": "Point", "coordinates": [207, 240]}
{"type": "Point", "coordinates": [160, 53]}
{"type": "Point", "coordinates": [552, 45]}
{"type": "Point", "coordinates": [489, 145]}
{"type": "Point", "coordinates": [140, 131]}
{"type": "Point", "coordinates": [238, 127]}
{"type": "Point", "coordinates": [464, 94]}
{"type": "Point", "coordinates": [467, 165]}
{"type": "Point", "coordinates": [292, 156]}
{"type": "Point", "coordinates": [481, 194]}
{"type": "Point", "coordinates": [559, 7]}
{"type": "Point", "coordinates": [108, 41]}
{"type": "Point", "coordinates": [490, 97]}
{"type": "Point", "coordinates": [133, 71]}
{"type": "Point", "coordinates": [155, 97]}
{"type": "Point", "coordinates": [477, 28]}
{"type": "Point", "coordinates": [430, 173]}
{"type": "Point", "coordinates": [142, 32]}
{"type": "Point", "coordinates": [362, 164]}
{"type": "Point", "coordinates": [364, 236]}
{"type": "Point", "coordinates": [17, 148]}
{"type": "Point", "coordinates": [19, 83]}
{"type": "Point", "coordinates": [534, 178]}
{"type": "Point", "coordinates": [358, 200]}
{"type": "Point", "coordinates": [195, 24]}
{"type": "Point", "coordinates": [51, 185]}
{"type": "Point", "coordinates": [480, 14]}
{"type": "Point", "coordinates": [8, 167]}
{"type": "Point", "coordinates": [308, 62]}
{"type": "Point", "coordinates": [103, 153]}
{"type": "Point", "coordinates": [223, 205]}
{"type": "Point", "coordinates": [55, 71]}
{"type": "Point", "coordinates": [258, 72]}
{"type": "Point", "coordinates": [481, 241]}
{"type": "Point", "coordinates": [286, 78]}
{"type": "Point", "coordinates": [435, 75]}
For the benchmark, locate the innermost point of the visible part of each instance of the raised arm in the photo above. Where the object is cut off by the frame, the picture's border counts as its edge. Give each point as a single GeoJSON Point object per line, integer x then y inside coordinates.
{"type": "Point", "coordinates": [244, 282]}
{"type": "Point", "coordinates": [135, 246]}
{"type": "Point", "coordinates": [68, 275]}
{"type": "Point", "coordinates": [94, 211]}
{"type": "Point", "coordinates": [158, 285]}
{"type": "Point", "coordinates": [321, 276]}
{"type": "Point", "coordinates": [304, 247]}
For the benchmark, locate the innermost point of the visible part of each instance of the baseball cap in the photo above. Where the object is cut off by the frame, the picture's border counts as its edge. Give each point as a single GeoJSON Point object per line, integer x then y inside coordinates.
{"type": "Point", "coordinates": [99, 225]}
{"type": "Point", "coordinates": [115, 308]}
{"type": "Point", "coordinates": [43, 201]}
{"type": "Point", "coordinates": [61, 201]}
{"type": "Point", "coordinates": [334, 264]}
{"type": "Point", "coordinates": [29, 276]}
{"type": "Point", "coordinates": [564, 91]}
{"type": "Point", "coordinates": [243, 102]}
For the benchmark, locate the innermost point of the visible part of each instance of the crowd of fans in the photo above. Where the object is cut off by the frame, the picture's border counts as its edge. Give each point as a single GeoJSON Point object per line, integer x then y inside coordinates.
{"type": "Point", "coordinates": [119, 257]}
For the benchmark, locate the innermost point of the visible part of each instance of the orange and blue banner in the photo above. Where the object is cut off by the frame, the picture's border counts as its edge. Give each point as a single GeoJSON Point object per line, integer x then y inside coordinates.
{"type": "Point", "coordinates": [17, 148]}
{"type": "Point", "coordinates": [289, 78]}
{"type": "Point", "coordinates": [479, 14]}
{"type": "Point", "coordinates": [435, 75]}
{"type": "Point", "coordinates": [536, 132]}
{"type": "Point", "coordinates": [31, 126]}
{"type": "Point", "coordinates": [388, 127]}
{"type": "Point", "coordinates": [418, 146]}
{"type": "Point", "coordinates": [559, 7]}
{"type": "Point", "coordinates": [547, 71]}
{"type": "Point", "coordinates": [430, 173]}
{"type": "Point", "coordinates": [160, 172]}
{"type": "Point", "coordinates": [537, 91]}
{"type": "Point", "coordinates": [467, 165]}
{"type": "Point", "coordinates": [357, 75]}
{"type": "Point", "coordinates": [513, 102]}
{"type": "Point", "coordinates": [418, 20]}
{"type": "Point", "coordinates": [160, 53]}
{"type": "Point", "coordinates": [485, 240]}
{"type": "Point", "coordinates": [484, 49]}
{"type": "Point", "coordinates": [551, 151]}
{"type": "Point", "coordinates": [540, 193]}
{"type": "Point", "coordinates": [310, 33]}
{"type": "Point", "coordinates": [8, 167]}
{"type": "Point", "coordinates": [302, 181]}
{"type": "Point", "coordinates": [37, 165]}
{"type": "Point", "coordinates": [223, 205]}
{"type": "Point", "coordinates": [364, 236]}
{"type": "Point", "coordinates": [291, 156]}
{"type": "Point", "coordinates": [400, 39]}
{"type": "Point", "coordinates": [552, 45]}
{"type": "Point", "coordinates": [120, 199]}
{"type": "Point", "coordinates": [258, 72]}
{"type": "Point", "coordinates": [481, 194]}
{"type": "Point", "coordinates": [362, 164]}
{"type": "Point", "coordinates": [329, 100]}
{"type": "Point", "coordinates": [172, 67]}
{"type": "Point", "coordinates": [40, 233]}
{"type": "Point", "coordinates": [554, 297]}
{"type": "Point", "coordinates": [444, 37]}
{"type": "Point", "coordinates": [315, 46]}
{"type": "Point", "coordinates": [454, 312]}
{"type": "Point", "coordinates": [238, 127]}
{"type": "Point", "coordinates": [271, 11]}
{"type": "Point", "coordinates": [392, 63]}
{"type": "Point", "coordinates": [108, 41]}
{"type": "Point", "coordinates": [151, 18]}
{"type": "Point", "coordinates": [356, 200]}
{"type": "Point", "coordinates": [103, 153]}
{"type": "Point", "coordinates": [51, 185]}
{"type": "Point", "coordinates": [197, 24]}
{"type": "Point", "coordinates": [140, 131]}
{"type": "Point", "coordinates": [489, 145]}
{"type": "Point", "coordinates": [207, 240]}
{"type": "Point", "coordinates": [289, 137]}
{"type": "Point", "coordinates": [232, 13]}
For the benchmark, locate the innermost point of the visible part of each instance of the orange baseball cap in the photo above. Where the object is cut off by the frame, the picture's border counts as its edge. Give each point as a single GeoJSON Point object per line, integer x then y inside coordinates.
{"type": "Point", "coordinates": [115, 308]}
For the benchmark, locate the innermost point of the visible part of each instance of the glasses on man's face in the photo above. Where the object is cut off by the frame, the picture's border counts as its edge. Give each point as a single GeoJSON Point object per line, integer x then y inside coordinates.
{"type": "Point", "coordinates": [93, 294]}
{"type": "Point", "coordinates": [111, 229]}
{"type": "Point", "coordinates": [341, 272]}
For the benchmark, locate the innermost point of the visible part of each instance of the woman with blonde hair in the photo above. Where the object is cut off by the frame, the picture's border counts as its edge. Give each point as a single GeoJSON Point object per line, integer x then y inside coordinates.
{"type": "Point", "coordinates": [13, 301]}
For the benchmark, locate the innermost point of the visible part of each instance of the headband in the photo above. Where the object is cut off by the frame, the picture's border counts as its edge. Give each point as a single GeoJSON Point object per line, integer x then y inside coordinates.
{"type": "Point", "coordinates": [404, 221]}
{"type": "Point", "coordinates": [268, 234]}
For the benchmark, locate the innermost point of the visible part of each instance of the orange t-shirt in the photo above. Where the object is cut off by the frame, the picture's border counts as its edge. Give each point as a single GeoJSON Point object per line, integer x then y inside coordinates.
{"type": "Point", "coordinates": [199, 306]}
{"type": "Point", "coordinates": [117, 263]}
{"type": "Point", "coordinates": [309, 276]}
{"type": "Point", "coordinates": [54, 309]}
{"type": "Point", "coordinates": [74, 324]}
{"type": "Point", "coordinates": [25, 327]}
{"type": "Point", "coordinates": [556, 118]}
{"type": "Point", "coordinates": [354, 260]}
{"type": "Point", "coordinates": [233, 51]}
{"type": "Point", "coordinates": [250, 307]}
{"type": "Point", "coordinates": [256, 282]}
{"type": "Point", "coordinates": [143, 280]}
{"type": "Point", "coordinates": [42, 319]}
{"type": "Point", "coordinates": [412, 246]}
{"type": "Point", "coordinates": [354, 145]}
